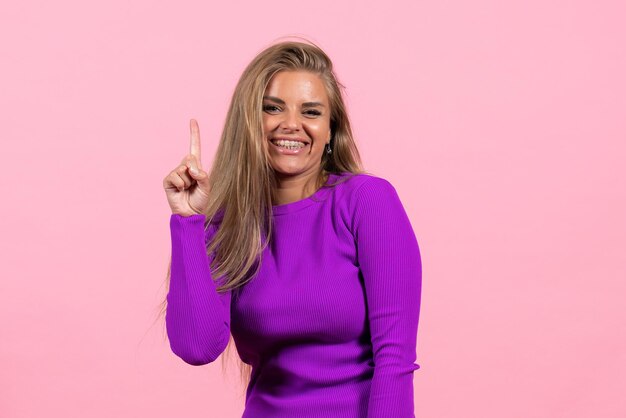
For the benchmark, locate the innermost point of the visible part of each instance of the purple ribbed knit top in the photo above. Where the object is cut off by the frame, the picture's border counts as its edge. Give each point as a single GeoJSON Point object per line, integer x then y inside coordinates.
{"type": "Point", "coordinates": [330, 322]}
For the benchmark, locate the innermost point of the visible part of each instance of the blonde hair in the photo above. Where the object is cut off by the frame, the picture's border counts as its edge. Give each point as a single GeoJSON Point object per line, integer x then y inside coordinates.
{"type": "Point", "coordinates": [241, 179]}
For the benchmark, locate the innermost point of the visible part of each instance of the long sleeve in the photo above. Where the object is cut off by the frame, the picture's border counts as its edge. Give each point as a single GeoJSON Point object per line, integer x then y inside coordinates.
{"type": "Point", "coordinates": [390, 262]}
{"type": "Point", "coordinates": [197, 316]}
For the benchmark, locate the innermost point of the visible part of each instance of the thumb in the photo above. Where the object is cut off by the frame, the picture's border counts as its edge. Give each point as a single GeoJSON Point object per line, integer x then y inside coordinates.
{"type": "Point", "coordinates": [199, 175]}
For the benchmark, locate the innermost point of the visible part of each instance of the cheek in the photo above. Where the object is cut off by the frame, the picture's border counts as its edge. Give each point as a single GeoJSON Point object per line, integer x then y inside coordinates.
{"type": "Point", "coordinates": [268, 124]}
{"type": "Point", "coordinates": [319, 129]}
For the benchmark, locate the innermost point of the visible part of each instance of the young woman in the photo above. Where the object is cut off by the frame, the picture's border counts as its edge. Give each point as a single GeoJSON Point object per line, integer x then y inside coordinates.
{"type": "Point", "coordinates": [309, 262]}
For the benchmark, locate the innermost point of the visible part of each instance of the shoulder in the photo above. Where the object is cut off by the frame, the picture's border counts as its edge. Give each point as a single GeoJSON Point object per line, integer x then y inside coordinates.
{"type": "Point", "coordinates": [365, 198]}
{"type": "Point", "coordinates": [358, 189]}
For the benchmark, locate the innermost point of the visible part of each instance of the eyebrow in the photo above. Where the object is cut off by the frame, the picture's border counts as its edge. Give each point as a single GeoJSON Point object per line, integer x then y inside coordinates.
{"type": "Point", "coordinates": [305, 104]}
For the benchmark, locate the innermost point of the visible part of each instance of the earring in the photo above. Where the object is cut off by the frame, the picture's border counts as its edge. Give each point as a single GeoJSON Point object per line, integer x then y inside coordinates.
{"type": "Point", "coordinates": [328, 149]}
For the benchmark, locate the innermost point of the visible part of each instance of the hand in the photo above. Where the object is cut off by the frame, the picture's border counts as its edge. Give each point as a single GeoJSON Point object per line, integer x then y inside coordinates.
{"type": "Point", "coordinates": [187, 190]}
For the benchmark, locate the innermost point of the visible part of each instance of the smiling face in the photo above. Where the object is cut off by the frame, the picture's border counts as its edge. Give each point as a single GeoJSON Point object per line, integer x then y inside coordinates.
{"type": "Point", "coordinates": [295, 107]}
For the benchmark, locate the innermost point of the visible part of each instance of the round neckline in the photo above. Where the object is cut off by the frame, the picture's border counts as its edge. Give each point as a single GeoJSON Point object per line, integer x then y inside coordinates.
{"type": "Point", "coordinates": [303, 203]}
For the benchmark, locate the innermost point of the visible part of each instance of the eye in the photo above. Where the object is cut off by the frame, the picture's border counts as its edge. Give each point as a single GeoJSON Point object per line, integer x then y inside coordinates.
{"type": "Point", "coordinates": [269, 107]}
{"type": "Point", "coordinates": [313, 112]}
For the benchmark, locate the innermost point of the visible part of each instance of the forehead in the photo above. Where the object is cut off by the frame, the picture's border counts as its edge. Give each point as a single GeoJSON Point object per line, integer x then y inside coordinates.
{"type": "Point", "coordinates": [297, 86]}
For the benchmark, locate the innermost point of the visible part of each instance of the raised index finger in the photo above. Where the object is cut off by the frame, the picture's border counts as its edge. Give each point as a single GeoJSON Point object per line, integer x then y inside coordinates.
{"type": "Point", "coordinates": [194, 148]}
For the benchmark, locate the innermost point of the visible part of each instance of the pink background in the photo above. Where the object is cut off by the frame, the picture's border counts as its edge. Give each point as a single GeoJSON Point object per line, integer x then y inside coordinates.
{"type": "Point", "coordinates": [501, 124]}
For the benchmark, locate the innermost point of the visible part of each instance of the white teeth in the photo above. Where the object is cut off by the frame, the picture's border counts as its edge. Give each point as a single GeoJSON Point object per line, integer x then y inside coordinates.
{"type": "Point", "coordinates": [288, 144]}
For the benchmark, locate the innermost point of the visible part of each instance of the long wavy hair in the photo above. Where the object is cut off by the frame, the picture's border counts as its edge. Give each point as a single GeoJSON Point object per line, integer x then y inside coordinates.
{"type": "Point", "coordinates": [242, 180]}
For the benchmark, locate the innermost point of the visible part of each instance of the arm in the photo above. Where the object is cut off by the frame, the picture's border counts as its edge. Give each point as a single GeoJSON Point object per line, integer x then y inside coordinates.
{"type": "Point", "coordinates": [197, 317]}
{"type": "Point", "coordinates": [390, 262]}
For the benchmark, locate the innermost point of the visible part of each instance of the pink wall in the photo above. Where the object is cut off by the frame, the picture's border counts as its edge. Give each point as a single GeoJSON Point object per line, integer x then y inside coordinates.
{"type": "Point", "coordinates": [501, 124]}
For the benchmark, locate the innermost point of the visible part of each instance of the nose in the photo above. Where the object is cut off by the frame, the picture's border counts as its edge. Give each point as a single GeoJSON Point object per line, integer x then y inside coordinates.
{"type": "Point", "coordinates": [290, 121]}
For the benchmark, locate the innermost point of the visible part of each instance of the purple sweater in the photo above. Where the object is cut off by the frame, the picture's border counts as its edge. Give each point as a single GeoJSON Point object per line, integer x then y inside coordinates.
{"type": "Point", "coordinates": [330, 322]}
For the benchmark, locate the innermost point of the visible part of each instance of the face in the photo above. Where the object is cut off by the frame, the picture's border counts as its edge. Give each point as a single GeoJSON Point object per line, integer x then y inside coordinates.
{"type": "Point", "coordinates": [295, 107]}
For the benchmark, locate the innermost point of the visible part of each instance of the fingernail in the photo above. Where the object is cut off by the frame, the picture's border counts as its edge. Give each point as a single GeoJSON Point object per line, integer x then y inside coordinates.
{"type": "Point", "coordinates": [194, 170]}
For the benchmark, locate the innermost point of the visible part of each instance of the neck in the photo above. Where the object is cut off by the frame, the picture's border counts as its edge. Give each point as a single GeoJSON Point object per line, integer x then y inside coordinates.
{"type": "Point", "coordinates": [293, 188]}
